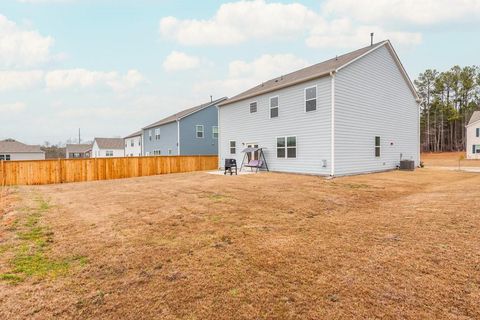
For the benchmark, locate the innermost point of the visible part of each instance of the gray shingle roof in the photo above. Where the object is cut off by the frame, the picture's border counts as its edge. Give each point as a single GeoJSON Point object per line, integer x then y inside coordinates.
{"type": "Point", "coordinates": [316, 71]}
{"type": "Point", "coordinates": [182, 114]}
{"type": "Point", "coordinates": [110, 143]}
{"type": "Point", "coordinates": [78, 148]}
{"type": "Point", "coordinates": [474, 118]}
{"type": "Point", "coordinates": [10, 145]}
{"type": "Point", "coordinates": [135, 134]}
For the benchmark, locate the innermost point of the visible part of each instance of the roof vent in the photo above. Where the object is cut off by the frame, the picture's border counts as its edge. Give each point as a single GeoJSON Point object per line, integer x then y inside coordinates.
{"type": "Point", "coordinates": [371, 38]}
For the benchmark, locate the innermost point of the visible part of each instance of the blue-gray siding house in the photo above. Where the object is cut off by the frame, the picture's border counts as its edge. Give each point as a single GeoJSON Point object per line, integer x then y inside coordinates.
{"type": "Point", "coordinates": [193, 131]}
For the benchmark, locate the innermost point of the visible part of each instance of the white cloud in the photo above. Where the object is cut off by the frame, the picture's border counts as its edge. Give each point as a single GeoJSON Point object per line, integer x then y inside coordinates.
{"type": "Point", "coordinates": [14, 107]}
{"type": "Point", "coordinates": [11, 80]}
{"type": "Point", "coordinates": [81, 78]}
{"type": "Point", "coordinates": [20, 47]}
{"type": "Point", "coordinates": [238, 22]}
{"type": "Point", "coordinates": [424, 12]}
{"type": "Point", "coordinates": [176, 61]}
{"type": "Point", "coordinates": [343, 33]}
{"type": "Point", "coordinates": [243, 74]}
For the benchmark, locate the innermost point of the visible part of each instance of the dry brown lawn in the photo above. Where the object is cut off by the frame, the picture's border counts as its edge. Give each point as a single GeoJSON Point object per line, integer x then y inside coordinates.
{"type": "Point", "coordinates": [448, 159]}
{"type": "Point", "coordinates": [395, 245]}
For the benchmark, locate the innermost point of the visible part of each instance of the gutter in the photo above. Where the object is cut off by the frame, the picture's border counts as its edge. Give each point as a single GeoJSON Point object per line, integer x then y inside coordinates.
{"type": "Point", "coordinates": [332, 124]}
{"type": "Point", "coordinates": [178, 137]}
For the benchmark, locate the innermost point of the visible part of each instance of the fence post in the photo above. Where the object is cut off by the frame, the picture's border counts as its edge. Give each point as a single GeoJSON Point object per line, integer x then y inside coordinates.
{"type": "Point", "coordinates": [3, 177]}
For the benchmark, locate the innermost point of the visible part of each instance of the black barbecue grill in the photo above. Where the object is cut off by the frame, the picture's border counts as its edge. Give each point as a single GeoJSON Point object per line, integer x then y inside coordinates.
{"type": "Point", "coordinates": [230, 165]}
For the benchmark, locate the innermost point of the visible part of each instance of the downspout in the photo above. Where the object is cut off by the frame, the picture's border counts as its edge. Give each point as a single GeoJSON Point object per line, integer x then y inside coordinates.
{"type": "Point", "coordinates": [332, 125]}
{"type": "Point", "coordinates": [219, 150]}
{"type": "Point", "coordinates": [178, 137]}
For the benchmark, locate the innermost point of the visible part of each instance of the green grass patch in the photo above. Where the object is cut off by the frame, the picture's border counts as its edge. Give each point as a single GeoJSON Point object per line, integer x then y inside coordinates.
{"type": "Point", "coordinates": [217, 197]}
{"type": "Point", "coordinates": [31, 253]}
{"type": "Point", "coordinates": [11, 278]}
{"type": "Point", "coordinates": [4, 248]}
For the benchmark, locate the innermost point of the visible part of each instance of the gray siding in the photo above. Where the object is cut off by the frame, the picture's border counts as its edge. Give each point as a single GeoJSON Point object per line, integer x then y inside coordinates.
{"type": "Point", "coordinates": [373, 99]}
{"type": "Point", "coordinates": [168, 139]}
{"type": "Point", "coordinates": [189, 143]}
{"type": "Point", "coordinates": [312, 129]}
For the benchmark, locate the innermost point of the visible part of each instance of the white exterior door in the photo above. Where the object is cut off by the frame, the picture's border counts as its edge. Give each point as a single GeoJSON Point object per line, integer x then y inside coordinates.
{"type": "Point", "coordinates": [252, 155]}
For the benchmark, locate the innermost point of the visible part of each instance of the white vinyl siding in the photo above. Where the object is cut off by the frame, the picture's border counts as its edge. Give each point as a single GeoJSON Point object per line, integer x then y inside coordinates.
{"type": "Point", "coordinates": [311, 129]}
{"type": "Point", "coordinates": [373, 99]}
{"type": "Point", "coordinates": [473, 141]}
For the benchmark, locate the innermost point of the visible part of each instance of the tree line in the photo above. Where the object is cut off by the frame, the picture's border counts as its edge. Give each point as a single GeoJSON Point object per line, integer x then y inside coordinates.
{"type": "Point", "coordinates": [448, 100]}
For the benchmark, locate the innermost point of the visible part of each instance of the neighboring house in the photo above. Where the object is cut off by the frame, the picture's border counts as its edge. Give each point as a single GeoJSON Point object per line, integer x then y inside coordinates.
{"type": "Point", "coordinates": [473, 136]}
{"type": "Point", "coordinates": [108, 147]}
{"type": "Point", "coordinates": [193, 131]}
{"type": "Point", "coordinates": [133, 145]}
{"type": "Point", "coordinates": [352, 114]}
{"type": "Point", "coordinates": [11, 150]}
{"type": "Point", "coordinates": [78, 151]}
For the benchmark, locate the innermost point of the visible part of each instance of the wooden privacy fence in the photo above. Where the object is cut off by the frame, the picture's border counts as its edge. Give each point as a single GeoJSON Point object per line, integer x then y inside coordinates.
{"type": "Point", "coordinates": [37, 172]}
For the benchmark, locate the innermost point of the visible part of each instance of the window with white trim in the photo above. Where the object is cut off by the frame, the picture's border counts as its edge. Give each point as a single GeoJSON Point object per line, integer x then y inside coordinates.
{"type": "Point", "coordinates": [233, 147]}
{"type": "Point", "coordinates": [253, 107]}
{"type": "Point", "coordinates": [476, 148]}
{"type": "Point", "coordinates": [287, 147]}
{"type": "Point", "coordinates": [215, 132]}
{"type": "Point", "coordinates": [5, 157]}
{"type": "Point", "coordinates": [311, 99]}
{"type": "Point", "coordinates": [132, 143]}
{"type": "Point", "coordinates": [199, 130]}
{"type": "Point", "coordinates": [377, 147]}
{"type": "Point", "coordinates": [150, 134]}
{"type": "Point", "coordinates": [478, 132]}
{"type": "Point", "coordinates": [157, 152]}
{"type": "Point", "coordinates": [169, 152]}
{"type": "Point", "coordinates": [274, 107]}
{"type": "Point", "coordinates": [157, 134]}
{"type": "Point", "coordinates": [109, 153]}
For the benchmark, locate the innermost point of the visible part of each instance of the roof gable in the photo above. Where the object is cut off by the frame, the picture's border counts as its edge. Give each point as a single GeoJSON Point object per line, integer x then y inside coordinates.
{"type": "Point", "coordinates": [474, 118]}
{"type": "Point", "coordinates": [110, 143]}
{"type": "Point", "coordinates": [319, 70]}
{"type": "Point", "coordinates": [184, 113]}
{"type": "Point", "coordinates": [135, 134]}
{"type": "Point", "coordinates": [13, 146]}
{"type": "Point", "coordinates": [78, 148]}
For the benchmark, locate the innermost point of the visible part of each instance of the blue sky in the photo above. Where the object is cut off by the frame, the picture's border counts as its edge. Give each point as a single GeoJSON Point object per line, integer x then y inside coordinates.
{"type": "Point", "coordinates": [111, 67]}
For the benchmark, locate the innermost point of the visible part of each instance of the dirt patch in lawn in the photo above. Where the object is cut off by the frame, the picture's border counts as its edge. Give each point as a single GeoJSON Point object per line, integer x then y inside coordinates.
{"type": "Point", "coordinates": [267, 246]}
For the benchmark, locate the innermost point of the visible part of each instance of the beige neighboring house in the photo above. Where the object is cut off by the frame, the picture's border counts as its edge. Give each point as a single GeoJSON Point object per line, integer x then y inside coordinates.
{"type": "Point", "coordinates": [108, 147]}
{"type": "Point", "coordinates": [78, 151]}
{"type": "Point", "coordinates": [11, 150]}
{"type": "Point", "coordinates": [473, 136]}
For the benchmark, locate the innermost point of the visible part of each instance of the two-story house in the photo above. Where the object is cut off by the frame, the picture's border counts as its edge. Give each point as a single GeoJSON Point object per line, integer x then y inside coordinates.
{"type": "Point", "coordinates": [473, 136]}
{"type": "Point", "coordinates": [133, 145]}
{"type": "Point", "coordinates": [354, 113]}
{"type": "Point", "coordinates": [193, 131]}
